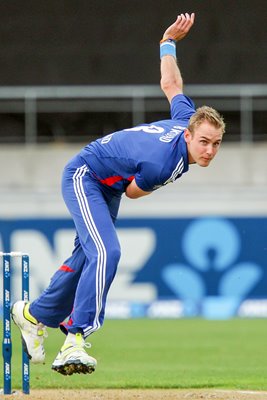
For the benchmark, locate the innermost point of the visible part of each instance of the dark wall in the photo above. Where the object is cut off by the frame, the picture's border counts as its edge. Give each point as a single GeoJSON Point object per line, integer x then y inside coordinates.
{"type": "Point", "coordinates": [116, 41]}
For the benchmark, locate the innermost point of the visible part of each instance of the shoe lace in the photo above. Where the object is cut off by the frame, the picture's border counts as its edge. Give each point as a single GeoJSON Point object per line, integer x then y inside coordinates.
{"type": "Point", "coordinates": [81, 342]}
{"type": "Point", "coordinates": [39, 330]}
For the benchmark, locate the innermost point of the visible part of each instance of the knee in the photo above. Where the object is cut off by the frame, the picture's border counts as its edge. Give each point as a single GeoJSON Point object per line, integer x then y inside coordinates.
{"type": "Point", "coordinates": [114, 255]}
{"type": "Point", "coordinates": [113, 258]}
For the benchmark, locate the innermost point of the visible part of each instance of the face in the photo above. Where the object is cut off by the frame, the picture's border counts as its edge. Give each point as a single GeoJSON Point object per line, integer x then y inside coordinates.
{"type": "Point", "coordinates": [203, 144]}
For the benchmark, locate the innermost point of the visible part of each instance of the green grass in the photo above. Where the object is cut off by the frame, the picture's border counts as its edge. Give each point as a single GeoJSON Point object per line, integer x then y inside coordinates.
{"type": "Point", "coordinates": [162, 354]}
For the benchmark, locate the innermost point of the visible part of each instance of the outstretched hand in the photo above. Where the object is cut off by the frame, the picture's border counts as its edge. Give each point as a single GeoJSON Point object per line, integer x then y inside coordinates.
{"type": "Point", "coordinates": [179, 29]}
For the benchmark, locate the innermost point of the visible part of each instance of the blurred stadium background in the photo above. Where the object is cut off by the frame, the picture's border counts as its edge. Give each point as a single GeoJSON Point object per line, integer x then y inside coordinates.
{"type": "Point", "coordinates": [74, 71]}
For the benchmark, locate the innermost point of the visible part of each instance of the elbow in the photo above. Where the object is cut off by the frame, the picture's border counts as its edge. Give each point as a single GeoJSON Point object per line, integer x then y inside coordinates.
{"type": "Point", "coordinates": [166, 83]}
{"type": "Point", "coordinates": [133, 192]}
{"type": "Point", "coordinates": [130, 195]}
{"type": "Point", "coordinates": [169, 85]}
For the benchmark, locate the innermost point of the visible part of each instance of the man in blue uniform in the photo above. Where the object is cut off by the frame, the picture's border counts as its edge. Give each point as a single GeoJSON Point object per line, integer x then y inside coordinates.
{"type": "Point", "coordinates": [133, 161]}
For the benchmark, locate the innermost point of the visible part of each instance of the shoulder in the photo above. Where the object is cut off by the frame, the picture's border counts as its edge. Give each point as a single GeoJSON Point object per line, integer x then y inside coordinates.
{"type": "Point", "coordinates": [183, 99]}
{"type": "Point", "coordinates": [182, 107]}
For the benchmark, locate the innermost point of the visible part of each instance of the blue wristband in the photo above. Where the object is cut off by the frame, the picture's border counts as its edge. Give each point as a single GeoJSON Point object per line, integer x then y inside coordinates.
{"type": "Point", "coordinates": [168, 48]}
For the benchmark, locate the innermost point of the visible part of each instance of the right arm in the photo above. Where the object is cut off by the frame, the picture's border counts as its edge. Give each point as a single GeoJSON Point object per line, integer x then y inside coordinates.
{"type": "Point", "coordinates": [171, 79]}
{"type": "Point", "coordinates": [134, 192]}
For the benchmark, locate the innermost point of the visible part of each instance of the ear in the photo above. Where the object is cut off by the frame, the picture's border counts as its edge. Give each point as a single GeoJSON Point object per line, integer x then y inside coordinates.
{"type": "Point", "coordinates": [187, 136]}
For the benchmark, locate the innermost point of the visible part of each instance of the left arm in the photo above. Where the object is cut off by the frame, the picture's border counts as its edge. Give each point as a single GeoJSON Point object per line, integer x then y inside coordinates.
{"type": "Point", "coordinates": [171, 79]}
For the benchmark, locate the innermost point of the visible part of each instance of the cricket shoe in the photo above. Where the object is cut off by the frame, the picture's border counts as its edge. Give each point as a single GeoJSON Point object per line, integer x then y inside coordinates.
{"type": "Point", "coordinates": [72, 358]}
{"type": "Point", "coordinates": [32, 331]}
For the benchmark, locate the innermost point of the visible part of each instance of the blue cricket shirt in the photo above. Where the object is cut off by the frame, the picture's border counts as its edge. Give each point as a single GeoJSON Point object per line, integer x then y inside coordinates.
{"type": "Point", "coordinates": [154, 154]}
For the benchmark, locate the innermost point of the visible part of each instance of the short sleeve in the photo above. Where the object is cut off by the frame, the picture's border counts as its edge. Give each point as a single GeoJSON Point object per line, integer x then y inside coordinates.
{"type": "Point", "coordinates": [182, 107]}
{"type": "Point", "coordinates": [149, 178]}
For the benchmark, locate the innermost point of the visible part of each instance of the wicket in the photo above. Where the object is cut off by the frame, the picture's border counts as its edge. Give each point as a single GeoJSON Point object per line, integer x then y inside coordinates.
{"type": "Point", "coordinates": [8, 259]}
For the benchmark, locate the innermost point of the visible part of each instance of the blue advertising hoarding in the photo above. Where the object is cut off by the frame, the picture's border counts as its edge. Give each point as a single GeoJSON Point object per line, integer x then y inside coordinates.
{"type": "Point", "coordinates": [212, 267]}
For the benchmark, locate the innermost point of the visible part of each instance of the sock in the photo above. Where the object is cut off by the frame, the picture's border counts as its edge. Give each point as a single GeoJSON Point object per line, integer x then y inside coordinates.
{"type": "Point", "coordinates": [74, 338]}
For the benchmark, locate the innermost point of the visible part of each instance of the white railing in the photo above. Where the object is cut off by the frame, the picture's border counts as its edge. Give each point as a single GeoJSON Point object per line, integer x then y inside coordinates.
{"type": "Point", "coordinates": [31, 100]}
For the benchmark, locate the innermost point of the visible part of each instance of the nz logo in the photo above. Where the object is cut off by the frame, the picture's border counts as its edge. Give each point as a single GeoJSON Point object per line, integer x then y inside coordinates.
{"type": "Point", "coordinates": [212, 278]}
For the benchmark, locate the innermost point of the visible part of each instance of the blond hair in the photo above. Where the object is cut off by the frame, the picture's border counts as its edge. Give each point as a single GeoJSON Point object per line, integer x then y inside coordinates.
{"type": "Point", "coordinates": [208, 114]}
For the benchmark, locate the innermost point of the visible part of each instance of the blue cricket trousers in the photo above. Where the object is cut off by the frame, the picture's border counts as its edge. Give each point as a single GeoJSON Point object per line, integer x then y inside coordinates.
{"type": "Point", "coordinates": [79, 288]}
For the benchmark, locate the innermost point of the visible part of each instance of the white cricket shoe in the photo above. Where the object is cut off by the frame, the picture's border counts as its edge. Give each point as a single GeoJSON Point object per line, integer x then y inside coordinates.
{"type": "Point", "coordinates": [32, 331]}
{"type": "Point", "coordinates": [72, 358]}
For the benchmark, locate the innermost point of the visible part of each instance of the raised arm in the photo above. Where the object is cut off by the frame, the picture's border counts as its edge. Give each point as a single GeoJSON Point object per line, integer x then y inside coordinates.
{"type": "Point", "coordinates": [171, 79]}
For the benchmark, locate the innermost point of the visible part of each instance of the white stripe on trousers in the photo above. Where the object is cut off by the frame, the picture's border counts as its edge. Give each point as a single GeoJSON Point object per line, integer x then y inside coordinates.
{"type": "Point", "coordinates": [94, 234]}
